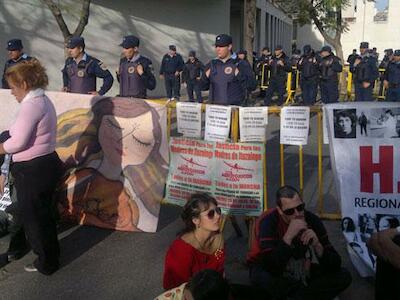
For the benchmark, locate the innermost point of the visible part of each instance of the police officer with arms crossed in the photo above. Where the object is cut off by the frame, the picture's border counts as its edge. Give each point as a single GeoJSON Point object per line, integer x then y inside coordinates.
{"type": "Point", "coordinates": [81, 70]}
{"type": "Point", "coordinates": [365, 72]}
{"type": "Point", "coordinates": [329, 67]}
{"type": "Point", "coordinates": [308, 67]}
{"type": "Point", "coordinates": [171, 67]}
{"type": "Point", "coordinates": [227, 78]}
{"type": "Point", "coordinates": [191, 76]}
{"type": "Point", "coordinates": [135, 73]}
{"type": "Point", "coordinates": [392, 78]}
{"type": "Point", "coordinates": [15, 55]}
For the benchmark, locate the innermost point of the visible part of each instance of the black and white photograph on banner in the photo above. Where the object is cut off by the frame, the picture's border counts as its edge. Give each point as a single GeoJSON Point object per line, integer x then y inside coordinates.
{"type": "Point", "coordinates": [380, 122]}
{"type": "Point", "coordinates": [349, 229]}
{"type": "Point", "coordinates": [384, 222]}
{"type": "Point", "coordinates": [345, 122]}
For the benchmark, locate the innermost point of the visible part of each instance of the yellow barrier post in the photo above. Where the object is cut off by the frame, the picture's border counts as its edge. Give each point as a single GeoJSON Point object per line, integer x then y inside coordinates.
{"type": "Point", "coordinates": [289, 88]}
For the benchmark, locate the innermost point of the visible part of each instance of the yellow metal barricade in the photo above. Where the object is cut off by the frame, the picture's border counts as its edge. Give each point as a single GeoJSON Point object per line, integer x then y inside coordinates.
{"type": "Point", "coordinates": [265, 75]}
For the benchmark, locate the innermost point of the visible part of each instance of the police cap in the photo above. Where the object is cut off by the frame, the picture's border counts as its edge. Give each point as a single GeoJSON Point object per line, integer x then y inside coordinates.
{"type": "Point", "coordinates": [242, 51]}
{"type": "Point", "coordinates": [129, 41]}
{"type": "Point", "coordinates": [364, 45]}
{"type": "Point", "coordinates": [76, 41]}
{"type": "Point", "coordinates": [327, 49]}
{"type": "Point", "coordinates": [389, 51]}
{"type": "Point", "coordinates": [397, 52]}
{"type": "Point", "coordinates": [14, 44]}
{"type": "Point", "coordinates": [307, 49]}
{"type": "Point", "coordinates": [223, 40]}
{"type": "Point", "coordinates": [172, 47]}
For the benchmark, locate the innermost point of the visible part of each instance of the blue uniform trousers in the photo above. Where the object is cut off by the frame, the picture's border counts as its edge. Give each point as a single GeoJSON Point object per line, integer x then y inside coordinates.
{"type": "Point", "coordinates": [308, 91]}
{"type": "Point", "coordinates": [194, 86]}
{"type": "Point", "coordinates": [275, 86]}
{"type": "Point", "coordinates": [329, 91]}
{"type": "Point", "coordinates": [363, 94]}
{"type": "Point", "coordinates": [172, 85]}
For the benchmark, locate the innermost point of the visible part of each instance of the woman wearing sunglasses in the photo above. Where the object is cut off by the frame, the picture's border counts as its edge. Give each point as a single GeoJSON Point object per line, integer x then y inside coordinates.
{"type": "Point", "coordinates": [199, 246]}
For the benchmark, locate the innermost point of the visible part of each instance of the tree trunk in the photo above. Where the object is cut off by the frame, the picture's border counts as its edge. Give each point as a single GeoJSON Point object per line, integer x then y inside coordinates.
{"type": "Point", "coordinates": [250, 12]}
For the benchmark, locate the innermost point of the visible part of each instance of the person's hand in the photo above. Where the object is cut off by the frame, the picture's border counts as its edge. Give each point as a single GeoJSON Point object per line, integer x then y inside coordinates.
{"type": "Point", "coordinates": [236, 72]}
{"type": "Point", "coordinates": [177, 73]}
{"type": "Point", "coordinates": [295, 226]}
{"type": "Point", "coordinates": [161, 76]}
{"type": "Point", "coordinates": [309, 237]}
{"type": "Point", "coordinates": [280, 63]}
{"type": "Point", "coordinates": [139, 70]}
{"type": "Point", "coordinates": [2, 183]}
{"type": "Point", "coordinates": [388, 234]}
{"type": "Point", "coordinates": [386, 84]}
{"type": "Point", "coordinates": [366, 84]}
{"type": "Point", "coordinates": [208, 73]}
{"type": "Point", "coordinates": [94, 93]}
{"type": "Point", "coordinates": [356, 62]}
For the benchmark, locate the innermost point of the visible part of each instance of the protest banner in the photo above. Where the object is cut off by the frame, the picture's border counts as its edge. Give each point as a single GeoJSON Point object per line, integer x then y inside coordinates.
{"type": "Point", "coordinates": [218, 123]}
{"type": "Point", "coordinates": [231, 172]}
{"type": "Point", "coordinates": [189, 119]}
{"type": "Point", "coordinates": [295, 124]}
{"type": "Point", "coordinates": [365, 155]}
{"type": "Point", "coordinates": [115, 152]}
{"type": "Point", "coordinates": [253, 124]}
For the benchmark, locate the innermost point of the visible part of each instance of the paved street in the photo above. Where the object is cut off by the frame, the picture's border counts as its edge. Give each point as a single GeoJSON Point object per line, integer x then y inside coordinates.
{"type": "Point", "coordinates": [103, 264]}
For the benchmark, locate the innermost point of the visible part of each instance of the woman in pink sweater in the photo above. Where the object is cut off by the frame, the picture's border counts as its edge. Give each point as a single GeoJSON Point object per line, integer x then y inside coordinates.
{"type": "Point", "coordinates": [36, 167]}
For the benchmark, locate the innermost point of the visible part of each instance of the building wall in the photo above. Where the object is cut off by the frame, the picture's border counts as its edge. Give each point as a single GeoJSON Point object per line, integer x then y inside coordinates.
{"type": "Point", "coordinates": [158, 23]}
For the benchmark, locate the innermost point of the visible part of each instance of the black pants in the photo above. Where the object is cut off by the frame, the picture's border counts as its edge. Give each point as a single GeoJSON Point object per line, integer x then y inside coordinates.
{"type": "Point", "coordinates": [276, 85]}
{"type": "Point", "coordinates": [172, 85]}
{"type": "Point", "coordinates": [363, 128]}
{"type": "Point", "coordinates": [329, 91]}
{"type": "Point", "coordinates": [387, 279]}
{"type": "Point", "coordinates": [35, 181]}
{"type": "Point", "coordinates": [309, 91]}
{"type": "Point", "coordinates": [194, 86]}
{"type": "Point", "coordinates": [322, 285]}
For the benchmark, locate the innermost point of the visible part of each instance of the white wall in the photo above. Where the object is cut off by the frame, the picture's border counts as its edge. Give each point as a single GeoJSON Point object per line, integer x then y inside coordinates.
{"type": "Point", "coordinates": [187, 24]}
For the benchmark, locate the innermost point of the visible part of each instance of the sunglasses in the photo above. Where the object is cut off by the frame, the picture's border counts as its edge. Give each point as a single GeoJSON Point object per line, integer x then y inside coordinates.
{"type": "Point", "coordinates": [290, 211]}
{"type": "Point", "coordinates": [211, 213]}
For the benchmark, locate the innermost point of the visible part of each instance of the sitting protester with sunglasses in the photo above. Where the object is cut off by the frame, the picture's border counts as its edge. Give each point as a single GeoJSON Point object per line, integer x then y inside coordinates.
{"type": "Point", "coordinates": [199, 246]}
{"type": "Point", "coordinates": [291, 255]}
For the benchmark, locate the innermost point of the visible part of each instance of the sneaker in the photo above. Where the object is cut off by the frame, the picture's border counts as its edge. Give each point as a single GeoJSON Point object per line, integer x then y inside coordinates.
{"type": "Point", "coordinates": [30, 268]}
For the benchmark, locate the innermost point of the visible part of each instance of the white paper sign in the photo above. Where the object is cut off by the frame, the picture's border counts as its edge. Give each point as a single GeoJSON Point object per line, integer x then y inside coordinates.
{"type": "Point", "coordinates": [295, 123]}
{"type": "Point", "coordinates": [253, 124]}
{"type": "Point", "coordinates": [218, 123]}
{"type": "Point", "coordinates": [189, 119]}
{"type": "Point", "coordinates": [5, 200]}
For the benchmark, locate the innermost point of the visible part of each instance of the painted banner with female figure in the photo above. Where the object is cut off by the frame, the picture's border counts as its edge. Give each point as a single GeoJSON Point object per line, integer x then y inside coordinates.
{"type": "Point", "coordinates": [365, 155]}
{"type": "Point", "coordinates": [115, 154]}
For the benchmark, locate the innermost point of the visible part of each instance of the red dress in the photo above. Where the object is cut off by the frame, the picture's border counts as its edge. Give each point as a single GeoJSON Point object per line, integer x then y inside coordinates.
{"type": "Point", "coordinates": [183, 261]}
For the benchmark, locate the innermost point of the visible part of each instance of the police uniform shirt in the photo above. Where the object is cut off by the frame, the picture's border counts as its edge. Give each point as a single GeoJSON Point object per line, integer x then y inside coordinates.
{"type": "Point", "coordinates": [192, 70]}
{"type": "Point", "coordinates": [366, 70]}
{"type": "Point", "coordinates": [171, 64]}
{"type": "Point", "coordinates": [131, 84]}
{"type": "Point", "coordinates": [81, 77]}
{"type": "Point", "coordinates": [10, 63]}
{"type": "Point", "coordinates": [392, 74]}
{"type": "Point", "coordinates": [329, 66]}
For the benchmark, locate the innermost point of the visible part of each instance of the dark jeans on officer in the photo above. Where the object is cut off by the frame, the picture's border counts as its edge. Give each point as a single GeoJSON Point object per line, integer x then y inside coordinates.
{"type": "Point", "coordinates": [329, 91]}
{"type": "Point", "coordinates": [363, 94]}
{"type": "Point", "coordinates": [35, 181]}
{"type": "Point", "coordinates": [322, 285]}
{"type": "Point", "coordinates": [172, 85]}
{"type": "Point", "coordinates": [393, 93]}
{"type": "Point", "coordinates": [194, 86]}
{"type": "Point", "coordinates": [275, 86]}
{"type": "Point", "coordinates": [308, 91]}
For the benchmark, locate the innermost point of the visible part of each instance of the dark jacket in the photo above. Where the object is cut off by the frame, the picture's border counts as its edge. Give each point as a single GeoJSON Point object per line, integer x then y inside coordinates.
{"type": "Point", "coordinates": [171, 64]}
{"type": "Point", "coordinates": [10, 63]}
{"type": "Point", "coordinates": [279, 72]}
{"type": "Point", "coordinates": [329, 66]}
{"type": "Point", "coordinates": [366, 70]}
{"type": "Point", "coordinates": [192, 70]}
{"type": "Point", "coordinates": [308, 67]}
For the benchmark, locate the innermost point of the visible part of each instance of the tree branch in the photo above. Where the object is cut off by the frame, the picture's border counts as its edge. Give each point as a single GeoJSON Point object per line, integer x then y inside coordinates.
{"type": "Point", "coordinates": [84, 19]}
{"type": "Point", "coordinates": [55, 10]}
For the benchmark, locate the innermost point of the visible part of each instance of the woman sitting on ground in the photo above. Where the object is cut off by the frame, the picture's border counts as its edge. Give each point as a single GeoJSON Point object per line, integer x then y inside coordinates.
{"type": "Point", "coordinates": [199, 246]}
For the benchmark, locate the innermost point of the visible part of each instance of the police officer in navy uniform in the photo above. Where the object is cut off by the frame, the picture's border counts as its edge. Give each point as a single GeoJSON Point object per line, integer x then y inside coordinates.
{"type": "Point", "coordinates": [81, 70]}
{"type": "Point", "coordinates": [191, 76]}
{"type": "Point", "coordinates": [15, 55]}
{"type": "Point", "coordinates": [279, 66]}
{"type": "Point", "coordinates": [387, 58]}
{"type": "Point", "coordinates": [365, 72]}
{"type": "Point", "coordinates": [329, 67]}
{"type": "Point", "coordinates": [135, 74]}
{"type": "Point", "coordinates": [392, 78]}
{"type": "Point", "coordinates": [262, 63]}
{"type": "Point", "coordinates": [309, 73]}
{"type": "Point", "coordinates": [171, 68]}
{"type": "Point", "coordinates": [227, 78]}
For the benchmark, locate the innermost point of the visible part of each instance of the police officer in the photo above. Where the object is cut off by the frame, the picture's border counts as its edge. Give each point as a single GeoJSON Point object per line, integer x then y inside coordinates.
{"type": "Point", "coordinates": [387, 58]}
{"type": "Point", "coordinates": [191, 76]}
{"type": "Point", "coordinates": [263, 74]}
{"type": "Point", "coordinates": [227, 78]}
{"type": "Point", "coordinates": [135, 74]}
{"type": "Point", "coordinates": [365, 72]}
{"type": "Point", "coordinates": [279, 66]}
{"type": "Point", "coordinates": [329, 67]}
{"type": "Point", "coordinates": [171, 67]}
{"type": "Point", "coordinates": [392, 78]}
{"type": "Point", "coordinates": [352, 57]}
{"type": "Point", "coordinates": [15, 55]}
{"type": "Point", "coordinates": [81, 70]}
{"type": "Point", "coordinates": [309, 72]}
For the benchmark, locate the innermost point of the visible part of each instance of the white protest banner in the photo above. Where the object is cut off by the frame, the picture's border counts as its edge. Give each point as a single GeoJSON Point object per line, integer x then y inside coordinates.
{"type": "Point", "coordinates": [365, 155]}
{"type": "Point", "coordinates": [189, 119]}
{"type": "Point", "coordinates": [218, 123]}
{"type": "Point", "coordinates": [295, 123]}
{"type": "Point", "coordinates": [253, 124]}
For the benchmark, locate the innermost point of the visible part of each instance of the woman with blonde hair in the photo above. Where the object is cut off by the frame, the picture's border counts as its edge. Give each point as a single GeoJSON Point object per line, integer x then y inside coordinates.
{"type": "Point", "coordinates": [36, 167]}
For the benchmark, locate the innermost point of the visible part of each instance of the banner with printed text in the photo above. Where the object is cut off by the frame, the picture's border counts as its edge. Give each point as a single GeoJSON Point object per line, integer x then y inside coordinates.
{"type": "Point", "coordinates": [365, 155]}
{"type": "Point", "coordinates": [231, 172]}
{"type": "Point", "coordinates": [115, 153]}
